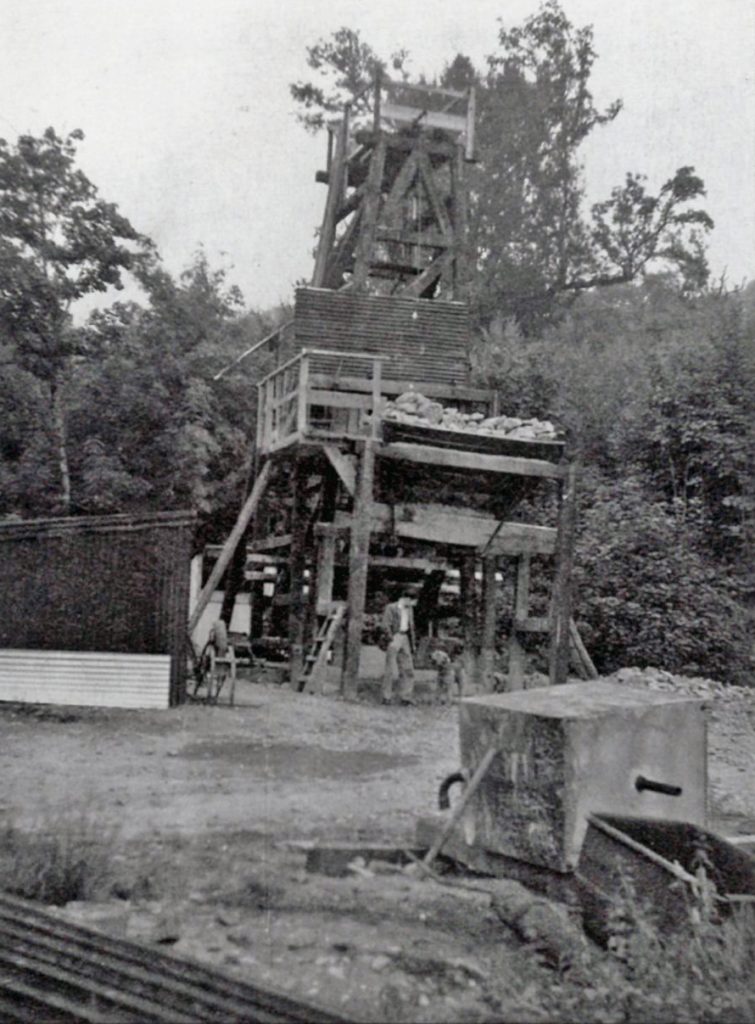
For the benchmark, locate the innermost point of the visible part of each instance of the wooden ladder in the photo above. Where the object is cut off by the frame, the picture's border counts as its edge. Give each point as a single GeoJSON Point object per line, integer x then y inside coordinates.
{"type": "Point", "coordinates": [316, 660]}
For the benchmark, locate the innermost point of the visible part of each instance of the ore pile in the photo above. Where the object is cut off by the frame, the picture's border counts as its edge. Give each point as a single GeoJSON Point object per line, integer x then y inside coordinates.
{"type": "Point", "coordinates": [665, 682]}
{"type": "Point", "coordinates": [418, 410]}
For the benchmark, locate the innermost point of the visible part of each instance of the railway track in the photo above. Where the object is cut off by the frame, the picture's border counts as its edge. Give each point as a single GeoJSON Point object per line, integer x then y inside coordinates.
{"type": "Point", "coordinates": [56, 972]}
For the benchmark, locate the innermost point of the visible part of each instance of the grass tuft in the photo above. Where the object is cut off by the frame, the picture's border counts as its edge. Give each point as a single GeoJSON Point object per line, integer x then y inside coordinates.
{"type": "Point", "coordinates": [699, 974]}
{"type": "Point", "coordinates": [68, 857]}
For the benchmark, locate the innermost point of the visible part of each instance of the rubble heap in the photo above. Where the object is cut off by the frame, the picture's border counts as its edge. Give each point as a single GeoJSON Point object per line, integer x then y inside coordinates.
{"type": "Point", "coordinates": [418, 410]}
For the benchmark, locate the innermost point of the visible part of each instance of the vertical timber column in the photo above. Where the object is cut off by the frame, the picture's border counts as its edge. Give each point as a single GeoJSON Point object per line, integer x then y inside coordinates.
{"type": "Point", "coordinates": [468, 617]}
{"type": "Point", "coordinates": [257, 627]}
{"type": "Point", "coordinates": [332, 203]}
{"type": "Point", "coordinates": [297, 563]}
{"type": "Point", "coordinates": [326, 548]}
{"type": "Point", "coordinates": [517, 657]}
{"type": "Point", "coordinates": [370, 208]}
{"type": "Point", "coordinates": [459, 199]}
{"type": "Point", "coordinates": [489, 618]}
{"type": "Point", "coordinates": [326, 565]}
{"type": "Point", "coordinates": [359, 557]}
{"type": "Point", "coordinates": [561, 600]}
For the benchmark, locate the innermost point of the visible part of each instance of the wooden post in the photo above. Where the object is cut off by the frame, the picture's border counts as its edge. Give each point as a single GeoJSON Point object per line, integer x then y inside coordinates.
{"type": "Point", "coordinates": [332, 203]}
{"type": "Point", "coordinates": [471, 114]}
{"type": "Point", "coordinates": [297, 563]}
{"type": "Point", "coordinates": [246, 513]}
{"type": "Point", "coordinates": [486, 666]}
{"type": "Point", "coordinates": [561, 600]}
{"type": "Point", "coordinates": [302, 404]}
{"type": "Point", "coordinates": [377, 100]}
{"type": "Point", "coordinates": [359, 556]}
{"type": "Point", "coordinates": [370, 209]}
{"type": "Point", "coordinates": [517, 657]}
{"type": "Point", "coordinates": [257, 626]}
{"type": "Point", "coordinates": [468, 606]}
{"type": "Point", "coordinates": [326, 563]}
{"type": "Point", "coordinates": [326, 551]}
{"type": "Point", "coordinates": [377, 399]}
{"type": "Point", "coordinates": [459, 197]}
{"type": "Point", "coordinates": [426, 609]}
{"type": "Point", "coordinates": [311, 626]}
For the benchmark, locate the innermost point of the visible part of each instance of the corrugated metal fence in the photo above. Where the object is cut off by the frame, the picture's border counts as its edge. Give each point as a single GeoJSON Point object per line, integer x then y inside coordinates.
{"type": "Point", "coordinates": [114, 584]}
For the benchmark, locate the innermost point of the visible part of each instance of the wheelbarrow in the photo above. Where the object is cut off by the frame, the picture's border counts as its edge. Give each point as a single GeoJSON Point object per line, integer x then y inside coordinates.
{"type": "Point", "coordinates": [663, 865]}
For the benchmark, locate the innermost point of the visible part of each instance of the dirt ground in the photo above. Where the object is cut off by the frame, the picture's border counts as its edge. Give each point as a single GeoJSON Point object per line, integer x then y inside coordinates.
{"type": "Point", "coordinates": [205, 806]}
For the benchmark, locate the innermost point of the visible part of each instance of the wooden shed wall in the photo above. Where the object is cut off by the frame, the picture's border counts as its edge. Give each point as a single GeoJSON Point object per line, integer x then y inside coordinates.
{"type": "Point", "coordinates": [115, 584]}
{"type": "Point", "coordinates": [425, 340]}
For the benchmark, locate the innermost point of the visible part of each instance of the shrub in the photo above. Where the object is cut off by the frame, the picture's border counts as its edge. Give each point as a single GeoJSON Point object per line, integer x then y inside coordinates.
{"type": "Point", "coordinates": [69, 857]}
{"type": "Point", "coordinates": [700, 974]}
{"type": "Point", "coordinates": [646, 596]}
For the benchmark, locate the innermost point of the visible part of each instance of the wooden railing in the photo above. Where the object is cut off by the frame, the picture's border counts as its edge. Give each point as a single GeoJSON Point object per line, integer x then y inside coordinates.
{"type": "Point", "coordinates": [298, 400]}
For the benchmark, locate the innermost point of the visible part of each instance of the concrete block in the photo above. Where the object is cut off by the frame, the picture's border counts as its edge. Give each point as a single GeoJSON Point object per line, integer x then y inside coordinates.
{"type": "Point", "coordinates": [570, 750]}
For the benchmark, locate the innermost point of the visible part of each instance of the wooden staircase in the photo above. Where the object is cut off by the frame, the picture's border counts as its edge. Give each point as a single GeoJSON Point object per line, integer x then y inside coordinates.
{"type": "Point", "coordinates": [315, 663]}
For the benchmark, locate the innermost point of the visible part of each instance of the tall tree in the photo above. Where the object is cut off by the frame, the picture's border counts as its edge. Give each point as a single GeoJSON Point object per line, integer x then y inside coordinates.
{"type": "Point", "coordinates": [58, 242]}
{"type": "Point", "coordinates": [346, 66]}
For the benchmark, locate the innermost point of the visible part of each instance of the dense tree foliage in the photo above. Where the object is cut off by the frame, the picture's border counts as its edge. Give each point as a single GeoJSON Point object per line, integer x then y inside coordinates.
{"type": "Point", "coordinates": [655, 389]}
{"type": "Point", "coordinates": [147, 426]}
{"type": "Point", "coordinates": [58, 243]}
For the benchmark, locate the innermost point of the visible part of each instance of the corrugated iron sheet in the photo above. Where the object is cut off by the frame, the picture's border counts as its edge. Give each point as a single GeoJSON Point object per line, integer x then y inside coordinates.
{"type": "Point", "coordinates": [425, 340]}
{"type": "Point", "coordinates": [96, 679]}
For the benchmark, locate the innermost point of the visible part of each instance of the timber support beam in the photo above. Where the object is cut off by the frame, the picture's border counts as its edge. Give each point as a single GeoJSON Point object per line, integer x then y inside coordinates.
{"type": "Point", "coordinates": [247, 511]}
{"type": "Point", "coordinates": [297, 564]}
{"type": "Point", "coordinates": [561, 598]}
{"type": "Point", "coordinates": [359, 556]}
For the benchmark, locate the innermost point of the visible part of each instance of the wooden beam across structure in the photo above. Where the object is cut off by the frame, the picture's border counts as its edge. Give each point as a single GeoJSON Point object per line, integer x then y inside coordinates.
{"type": "Point", "coordinates": [444, 524]}
{"type": "Point", "coordinates": [390, 386]}
{"type": "Point", "coordinates": [477, 462]}
{"type": "Point", "coordinates": [272, 543]}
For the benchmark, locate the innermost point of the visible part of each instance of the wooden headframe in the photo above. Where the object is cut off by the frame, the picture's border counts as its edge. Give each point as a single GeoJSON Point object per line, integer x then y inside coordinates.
{"type": "Point", "coordinates": [395, 216]}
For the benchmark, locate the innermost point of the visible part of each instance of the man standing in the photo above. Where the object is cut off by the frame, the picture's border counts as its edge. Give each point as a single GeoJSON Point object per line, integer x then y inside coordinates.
{"type": "Point", "coordinates": [398, 626]}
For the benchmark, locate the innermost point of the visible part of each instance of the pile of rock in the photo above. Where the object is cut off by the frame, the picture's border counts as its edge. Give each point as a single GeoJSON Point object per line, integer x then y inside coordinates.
{"type": "Point", "coordinates": [660, 680]}
{"type": "Point", "coordinates": [418, 410]}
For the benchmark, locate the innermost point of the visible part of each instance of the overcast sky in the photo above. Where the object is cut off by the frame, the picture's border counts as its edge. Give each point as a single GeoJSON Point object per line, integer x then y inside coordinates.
{"type": "Point", "coordinates": [190, 127]}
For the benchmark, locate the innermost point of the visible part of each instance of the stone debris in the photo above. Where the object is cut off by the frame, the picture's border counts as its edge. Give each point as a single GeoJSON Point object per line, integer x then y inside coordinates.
{"type": "Point", "coordinates": [660, 680]}
{"type": "Point", "coordinates": [415, 408]}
